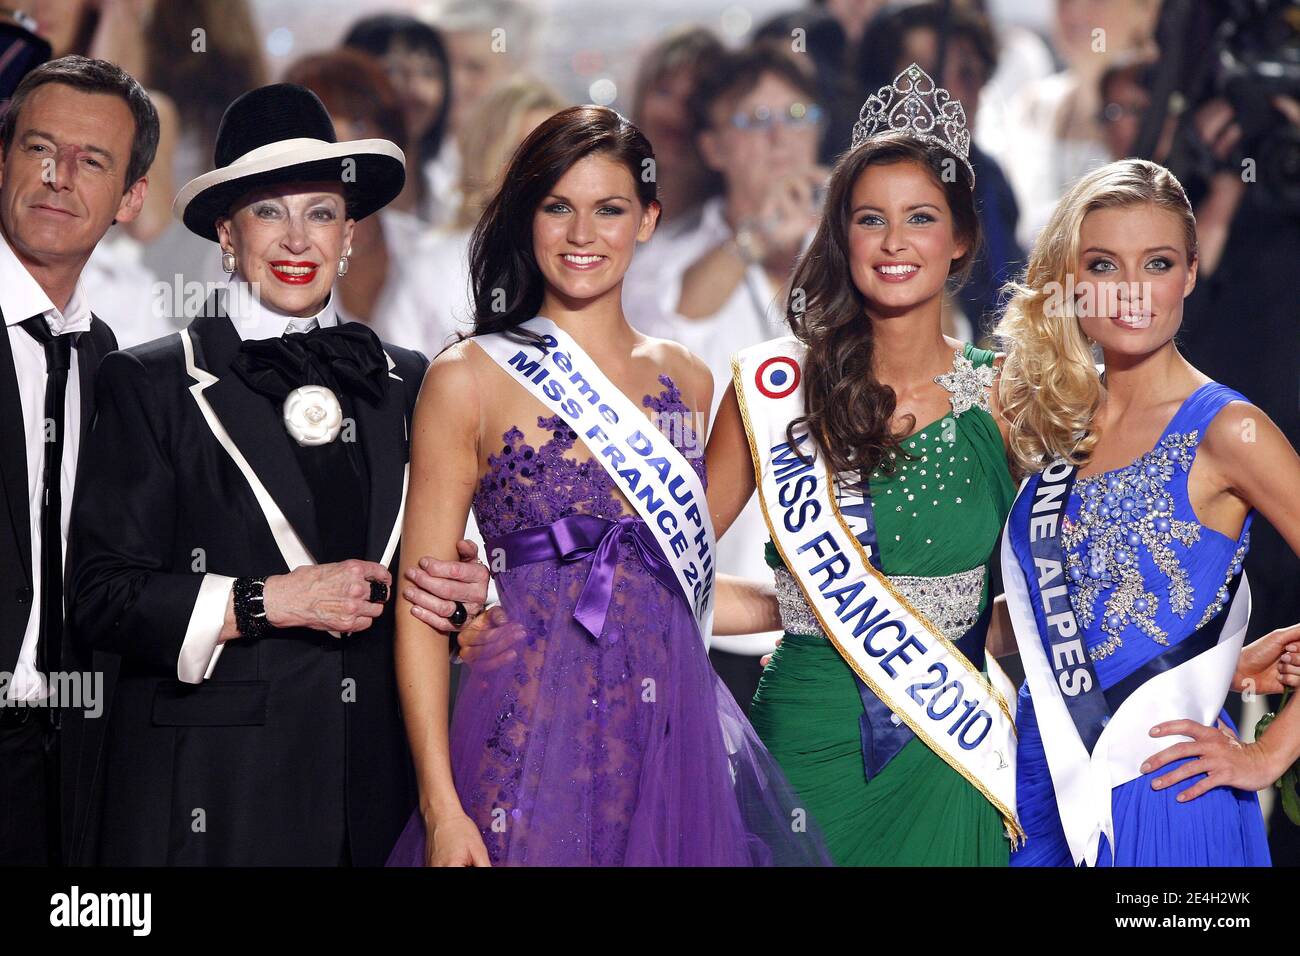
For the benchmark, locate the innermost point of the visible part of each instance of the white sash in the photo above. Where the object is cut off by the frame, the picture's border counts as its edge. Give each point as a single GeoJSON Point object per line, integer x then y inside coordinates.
{"type": "Point", "coordinates": [654, 476]}
{"type": "Point", "coordinates": [905, 660]}
{"type": "Point", "coordinates": [1194, 690]}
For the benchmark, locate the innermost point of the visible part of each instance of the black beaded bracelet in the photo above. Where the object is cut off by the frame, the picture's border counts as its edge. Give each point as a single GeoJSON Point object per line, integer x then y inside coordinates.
{"type": "Point", "coordinates": [250, 608]}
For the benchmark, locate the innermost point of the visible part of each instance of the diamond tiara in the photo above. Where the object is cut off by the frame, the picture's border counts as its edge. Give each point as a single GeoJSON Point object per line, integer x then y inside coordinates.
{"type": "Point", "coordinates": [918, 108]}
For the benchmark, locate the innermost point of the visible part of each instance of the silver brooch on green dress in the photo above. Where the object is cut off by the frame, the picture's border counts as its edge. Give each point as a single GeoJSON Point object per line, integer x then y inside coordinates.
{"type": "Point", "coordinates": [968, 383]}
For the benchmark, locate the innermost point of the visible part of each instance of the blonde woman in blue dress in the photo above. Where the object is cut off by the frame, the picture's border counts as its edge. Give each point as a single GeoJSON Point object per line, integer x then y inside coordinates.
{"type": "Point", "coordinates": [1155, 473]}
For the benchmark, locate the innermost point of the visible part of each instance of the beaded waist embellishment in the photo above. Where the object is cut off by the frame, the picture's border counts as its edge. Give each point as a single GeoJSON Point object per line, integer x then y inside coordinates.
{"type": "Point", "coordinates": [951, 602]}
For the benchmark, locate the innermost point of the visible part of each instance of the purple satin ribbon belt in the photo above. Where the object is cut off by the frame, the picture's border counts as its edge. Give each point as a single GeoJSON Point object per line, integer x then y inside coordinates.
{"type": "Point", "coordinates": [576, 537]}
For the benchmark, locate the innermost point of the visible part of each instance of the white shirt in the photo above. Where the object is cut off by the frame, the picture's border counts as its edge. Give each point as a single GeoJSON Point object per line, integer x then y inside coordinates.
{"type": "Point", "coordinates": [442, 185]}
{"type": "Point", "coordinates": [1040, 165]}
{"type": "Point", "coordinates": [22, 297]}
{"type": "Point", "coordinates": [202, 647]}
{"type": "Point", "coordinates": [754, 313]}
{"type": "Point", "coordinates": [425, 298]}
{"type": "Point", "coordinates": [254, 320]}
{"type": "Point", "coordinates": [1024, 59]}
{"type": "Point", "coordinates": [125, 292]}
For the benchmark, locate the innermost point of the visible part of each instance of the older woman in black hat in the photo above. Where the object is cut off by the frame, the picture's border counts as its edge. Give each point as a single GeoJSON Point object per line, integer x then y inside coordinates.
{"type": "Point", "coordinates": [235, 539]}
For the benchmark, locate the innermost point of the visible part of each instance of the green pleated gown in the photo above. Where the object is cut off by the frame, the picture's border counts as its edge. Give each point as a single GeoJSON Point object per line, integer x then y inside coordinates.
{"type": "Point", "coordinates": [938, 514]}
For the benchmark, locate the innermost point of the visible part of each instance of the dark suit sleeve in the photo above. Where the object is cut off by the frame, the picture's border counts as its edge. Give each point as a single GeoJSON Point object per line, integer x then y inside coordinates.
{"type": "Point", "coordinates": [111, 338]}
{"type": "Point", "coordinates": [414, 378]}
{"type": "Point", "coordinates": [124, 596]}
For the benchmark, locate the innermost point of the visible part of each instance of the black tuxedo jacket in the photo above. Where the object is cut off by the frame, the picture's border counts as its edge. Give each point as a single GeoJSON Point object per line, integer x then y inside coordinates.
{"type": "Point", "coordinates": [295, 744]}
{"type": "Point", "coordinates": [16, 570]}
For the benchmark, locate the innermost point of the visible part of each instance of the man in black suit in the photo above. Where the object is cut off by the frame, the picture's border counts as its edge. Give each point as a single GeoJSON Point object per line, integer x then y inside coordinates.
{"type": "Point", "coordinates": [75, 144]}
{"type": "Point", "coordinates": [235, 546]}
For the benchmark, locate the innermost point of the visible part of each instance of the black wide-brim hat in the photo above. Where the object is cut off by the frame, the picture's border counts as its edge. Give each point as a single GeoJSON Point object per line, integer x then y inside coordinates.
{"type": "Point", "coordinates": [283, 134]}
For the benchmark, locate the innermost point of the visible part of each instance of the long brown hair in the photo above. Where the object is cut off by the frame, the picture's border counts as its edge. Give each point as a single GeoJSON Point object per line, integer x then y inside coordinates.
{"type": "Point", "coordinates": [846, 408]}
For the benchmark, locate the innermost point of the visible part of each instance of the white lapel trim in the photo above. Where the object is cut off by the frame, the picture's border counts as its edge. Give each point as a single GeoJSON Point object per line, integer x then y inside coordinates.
{"type": "Point", "coordinates": [391, 547]}
{"type": "Point", "coordinates": [292, 549]}
{"type": "Point", "coordinates": [392, 365]}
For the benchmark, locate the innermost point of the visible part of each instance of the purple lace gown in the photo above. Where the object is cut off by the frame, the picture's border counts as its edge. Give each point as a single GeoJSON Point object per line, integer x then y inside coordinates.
{"type": "Point", "coordinates": [622, 751]}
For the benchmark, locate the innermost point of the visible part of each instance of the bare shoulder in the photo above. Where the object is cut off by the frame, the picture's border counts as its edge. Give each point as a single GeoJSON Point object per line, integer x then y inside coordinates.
{"type": "Point", "coordinates": [452, 378]}
{"type": "Point", "coordinates": [1241, 431]}
{"type": "Point", "coordinates": [463, 358]}
{"type": "Point", "coordinates": [1250, 453]}
{"type": "Point", "coordinates": [687, 370]}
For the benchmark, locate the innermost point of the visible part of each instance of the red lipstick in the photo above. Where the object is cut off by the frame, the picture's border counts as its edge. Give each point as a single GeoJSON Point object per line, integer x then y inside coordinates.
{"type": "Point", "coordinates": [293, 272]}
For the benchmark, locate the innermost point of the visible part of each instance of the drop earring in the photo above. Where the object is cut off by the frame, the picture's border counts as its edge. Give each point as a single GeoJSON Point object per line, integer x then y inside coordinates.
{"type": "Point", "coordinates": [343, 265]}
{"type": "Point", "coordinates": [228, 262]}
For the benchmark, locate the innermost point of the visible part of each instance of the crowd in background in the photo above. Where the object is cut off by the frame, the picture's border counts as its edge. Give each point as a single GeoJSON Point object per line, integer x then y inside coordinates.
{"type": "Point", "coordinates": [745, 130]}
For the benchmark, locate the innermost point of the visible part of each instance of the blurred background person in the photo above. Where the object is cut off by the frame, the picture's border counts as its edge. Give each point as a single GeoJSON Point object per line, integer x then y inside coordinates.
{"type": "Point", "coordinates": [921, 33]}
{"type": "Point", "coordinates": [757, 125]}
{"type": "Point", "coordinates": [1024, 58]}
{"type": "Point", "coordinates": [722, 285]}
{"type": "Point", "coordinates": [665, 79]}
{"type": "Point", "coordinates": [504, 118]}
{"type": "Point", "coordinates": [201, 56]}
{"type": "Point", "coordinates": [829, 34]}
{"type": "Point", "coordinates": [1125, 98]}
{"type": "Point", "coordinates": [486, 41]}
{"type": "Point", "coordinates": [414, 56]}
{"type": "Point", "coordinates": [1053, 135]}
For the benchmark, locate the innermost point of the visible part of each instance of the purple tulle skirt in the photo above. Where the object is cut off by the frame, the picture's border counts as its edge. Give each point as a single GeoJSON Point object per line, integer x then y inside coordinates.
{"type": "Point", "coordinates": [626, 750]}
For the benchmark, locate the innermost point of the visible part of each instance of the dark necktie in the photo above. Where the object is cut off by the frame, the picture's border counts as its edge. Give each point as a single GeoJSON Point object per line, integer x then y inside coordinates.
{"type": "Point", "coordinates": [58, 359]}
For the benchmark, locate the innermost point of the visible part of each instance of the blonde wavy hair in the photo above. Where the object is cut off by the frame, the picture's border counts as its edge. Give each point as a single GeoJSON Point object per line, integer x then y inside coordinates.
{"type": "Point", "coordinates": [488, 142]}
{"type": "Point", "coordinates": [1049, 388]}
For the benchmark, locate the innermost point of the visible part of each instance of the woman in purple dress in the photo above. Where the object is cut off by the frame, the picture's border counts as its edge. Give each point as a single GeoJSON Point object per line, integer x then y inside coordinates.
{"type": "Point", "coordinates": [611, 743]}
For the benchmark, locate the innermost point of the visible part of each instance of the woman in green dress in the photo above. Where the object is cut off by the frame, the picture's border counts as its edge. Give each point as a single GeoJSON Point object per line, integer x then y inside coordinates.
{"type": "Point", "coordinates": [898, 229]}
{"type": "Point", "coordinates": [937, 518]}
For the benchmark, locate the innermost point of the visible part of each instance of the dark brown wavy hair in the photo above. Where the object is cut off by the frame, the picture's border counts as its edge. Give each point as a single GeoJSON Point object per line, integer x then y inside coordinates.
{"type": "Point", "coordinates": [847, 408]}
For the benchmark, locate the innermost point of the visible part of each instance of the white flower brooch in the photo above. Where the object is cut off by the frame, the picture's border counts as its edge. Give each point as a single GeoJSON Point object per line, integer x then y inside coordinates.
{"type": "Point", "coordinates": [313, 415]}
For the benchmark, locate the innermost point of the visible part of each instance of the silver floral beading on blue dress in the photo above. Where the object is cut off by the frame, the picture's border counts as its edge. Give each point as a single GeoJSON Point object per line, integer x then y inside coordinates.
{"type": "Point", "coordinates": [1222, 595]}
{"type": "Point", "coordinates": [1123, 512]}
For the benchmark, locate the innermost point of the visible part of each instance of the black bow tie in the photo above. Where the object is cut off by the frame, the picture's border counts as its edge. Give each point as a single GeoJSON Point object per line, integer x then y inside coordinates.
{"type": "Point", "coordinates": [347, 357]}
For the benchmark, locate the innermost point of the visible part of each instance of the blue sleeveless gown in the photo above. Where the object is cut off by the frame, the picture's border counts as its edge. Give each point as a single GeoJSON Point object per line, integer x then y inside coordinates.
{"type": "Point", "coordinates": [1123, 528]}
